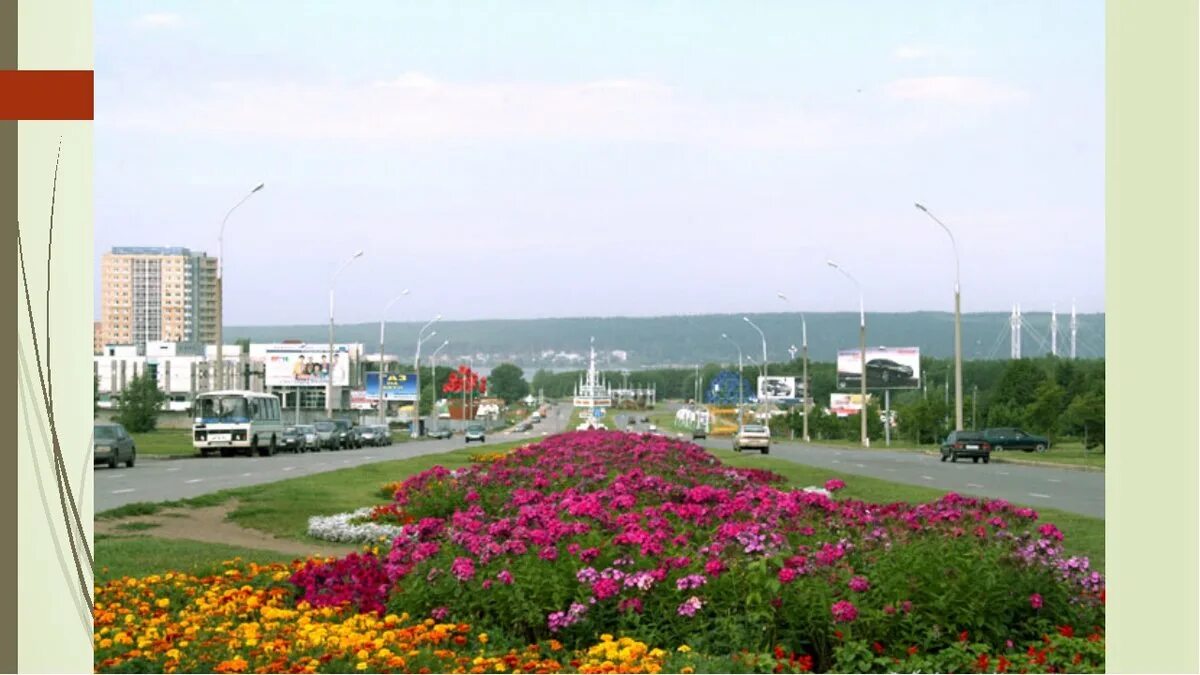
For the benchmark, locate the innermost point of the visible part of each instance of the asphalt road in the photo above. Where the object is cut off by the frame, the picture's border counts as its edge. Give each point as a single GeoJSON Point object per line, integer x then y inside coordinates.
{"type": "Point", "coordinates": [156, 480]}
{"type": "Point", "coordinates": [160, 480]}
{"type": "Point", "coordinates": [1037, 486]}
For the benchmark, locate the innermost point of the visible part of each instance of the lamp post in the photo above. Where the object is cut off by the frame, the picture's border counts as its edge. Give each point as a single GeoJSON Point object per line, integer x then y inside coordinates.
{"type": "Point", "coordinates": [804, 346]}
{"type": "Point", "coordinates": [329, 375]}
{"type": "Point", "coordinates": [958, 400]}
{"type": "Point", "coordinates": [471, 390]}
{"type": "Point", "coordinates": [220, 380]}
{"type": "Point", "coordinates": [741, 383]}
{"type": "Point", "coordinates": [382, 326]}
{"type": "Point", "coordinates": [862, 346]}
{"type": "Point", "coordinates": [762, 404]}
{"type": "Point", "coordinates": [421, 337]}
{"type": "Point", "coordinates": [432, 372]}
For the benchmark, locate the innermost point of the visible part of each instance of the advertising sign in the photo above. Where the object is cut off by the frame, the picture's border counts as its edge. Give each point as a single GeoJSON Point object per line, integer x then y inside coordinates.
{"type": "Point", "coordinates": [844, 405]}
{"type": "Point", "coordinates": [359, 400]}
{"type": "Point", "coordinates": [304, 365]}
{"type": "Point", "coordinates": [887, 368]}
{"type": "Point", "coordinates": [781, 389]}
{"type": "Point", "coordinates": [396, 386]}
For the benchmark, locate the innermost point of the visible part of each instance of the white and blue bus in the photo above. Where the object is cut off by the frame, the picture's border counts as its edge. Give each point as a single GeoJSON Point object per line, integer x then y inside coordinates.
{"type": "Point", "coordinates": [234, 422]}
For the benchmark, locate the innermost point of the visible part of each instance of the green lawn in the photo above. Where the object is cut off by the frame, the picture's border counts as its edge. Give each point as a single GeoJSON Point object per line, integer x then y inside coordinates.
{"type": "Point", "coordinates": [139, 556]}
{"type": "Point", "coordinates": [164, 442]}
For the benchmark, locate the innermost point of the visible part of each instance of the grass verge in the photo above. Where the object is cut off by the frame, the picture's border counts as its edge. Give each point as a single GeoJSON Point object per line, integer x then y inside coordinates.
{"type": "Point", "coordinates": [164, 443]}
{"type": "Point", "coordinates": [139, 556]}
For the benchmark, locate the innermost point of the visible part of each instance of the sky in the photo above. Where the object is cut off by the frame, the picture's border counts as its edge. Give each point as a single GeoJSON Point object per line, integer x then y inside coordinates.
{"type": "Point", "coordinates": [547, 159]}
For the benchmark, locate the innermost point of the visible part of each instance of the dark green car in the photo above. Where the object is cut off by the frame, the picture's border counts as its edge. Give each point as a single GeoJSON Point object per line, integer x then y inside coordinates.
{"type": "Point", "coordinates": [113, 445]}
{"type": "Point", "coordinates": [1011, 438]}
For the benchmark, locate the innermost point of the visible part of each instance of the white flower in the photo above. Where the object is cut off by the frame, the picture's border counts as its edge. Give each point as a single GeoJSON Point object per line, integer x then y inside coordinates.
{"type": "Point", "coordinates": [350, 527]}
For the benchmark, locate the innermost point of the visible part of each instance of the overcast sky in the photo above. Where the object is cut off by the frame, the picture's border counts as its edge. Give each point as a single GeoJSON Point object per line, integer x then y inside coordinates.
{"type": "Point", "coordinates": [619, 158]}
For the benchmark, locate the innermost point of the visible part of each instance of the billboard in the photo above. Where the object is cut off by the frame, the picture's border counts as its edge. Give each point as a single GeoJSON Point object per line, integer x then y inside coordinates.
{"type": "Point", "coordinates": [781, 389]}
{"type": "Point", "coordinates": [304, 365]}
{"type": "Point", "coordinates": [844, 405]}
{"type": "Point", "coordinates": [396, 386]}
{"type": "Point", "coordinates": [887, 368]}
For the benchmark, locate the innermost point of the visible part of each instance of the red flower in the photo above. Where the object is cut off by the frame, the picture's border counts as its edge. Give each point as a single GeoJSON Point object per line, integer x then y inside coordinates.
{"type": "Point", "coordinates": [981, 663]}
{"type": "Point", "coordinates": [912, 650]}
{"type": "Point", "coordinates": [1066, 631]}
{"type": "Point", "coordinates": [779, 653]}
{"type": "Point", "coordinates": [878, 647]}
{"type": "Point", "coordinates": [1002, 665]}
{"type": "Point", "coordinates": [962, 637]}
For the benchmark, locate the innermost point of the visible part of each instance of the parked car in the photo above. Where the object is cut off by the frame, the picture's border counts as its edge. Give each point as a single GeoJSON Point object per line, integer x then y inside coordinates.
{"type": "Point", "coordinates": [368, 435]}
{"type": "Point", "coordinates": [293, 440]}
{"type": "Point", "coordinates": [1011, 438]}
{"type": "Point", "coordinates": [311, 438]}
{"type": "Point", "coordinates": [964, 444]}
{"type": "Point", "coordinates": [475, 432]}
{"type": "Point", "coordinates": [385, 435]}
{"type": "Point", "coordinates": [699, 433]}
{"type": "Point", "coordinates": [442, 432]}
{"type": "Point", "coordinates": [348, 434]}
{"type": "Point", "coordinates": [113, 445]}
{"type": "Point", "coordinates": [753, 436]}
{"type": "Point", "coordinates": [327, 435]}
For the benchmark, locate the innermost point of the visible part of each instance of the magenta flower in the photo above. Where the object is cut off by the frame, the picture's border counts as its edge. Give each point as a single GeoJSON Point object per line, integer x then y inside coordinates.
{"type": "Point", "coordinates": [548, 553]}
{"type": "Point", "coordinates": [787, 575]}
{"type": "Point", "coordinates": [1035, 601]}
{"type": "Point", "coordinates": [713, 568]}
{"type": "Point", "coordinates": [630, 605]}
{"type": "Point", "coordinates": [834, 484]}
{"type": "Point", "coordinates": [844, 611]}
{"type": "Point", "coordinates": [605, 588]}
{"type": "Point", "coordinates": [463, 569]}
{"type": "Point", "coordinates": [859, 584]}
{"type": "Point", "coordinates": [440, 613]}
{"type": "Point", "coordinates": [505, 577]}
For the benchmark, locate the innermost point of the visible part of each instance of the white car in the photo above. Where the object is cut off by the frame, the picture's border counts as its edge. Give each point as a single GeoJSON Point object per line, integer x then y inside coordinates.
{"type": "Point", "coordinates": [753, 437]}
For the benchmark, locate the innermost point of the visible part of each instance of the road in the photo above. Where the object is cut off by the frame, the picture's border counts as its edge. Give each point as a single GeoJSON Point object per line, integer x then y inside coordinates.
{"type": "Point", "coordinates": [159, 480]}
{"type": "Point", "coordinates": [155, 480]}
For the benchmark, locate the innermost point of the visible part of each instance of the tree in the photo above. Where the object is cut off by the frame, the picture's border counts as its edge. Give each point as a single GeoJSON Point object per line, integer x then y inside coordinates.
{"type": "Point", "coordinates": [1085, 417]}
{"type": "Point", "coordinates": [139, 403]}
{"type": "Point", "coordinates": [507, 381]}
{"type": "Point", "coordinates": [1042, 415]}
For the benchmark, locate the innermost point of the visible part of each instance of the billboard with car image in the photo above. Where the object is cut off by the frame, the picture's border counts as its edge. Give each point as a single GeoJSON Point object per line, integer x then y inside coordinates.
{"type": "Point", "coordinates": [887, 368]}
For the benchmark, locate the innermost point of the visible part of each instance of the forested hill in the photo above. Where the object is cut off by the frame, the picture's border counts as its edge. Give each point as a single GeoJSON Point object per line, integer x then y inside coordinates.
{"type": "Point", "coordinates": [677, 340]}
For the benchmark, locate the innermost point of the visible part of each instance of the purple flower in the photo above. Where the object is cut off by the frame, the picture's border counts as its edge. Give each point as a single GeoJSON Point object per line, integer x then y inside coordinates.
{"type": "Point", "coordinates": [844, 611]}
{"type": "Point", "coordinates": [690, 581]}
{"type": "Point", "coordinates": [440, 613]}
{"type": "Point", "coordinates": [690, 606]}
{"type": "Point", "coordinates": [586, 575]}
{"type": "Point", "coordinates": [859, 584]}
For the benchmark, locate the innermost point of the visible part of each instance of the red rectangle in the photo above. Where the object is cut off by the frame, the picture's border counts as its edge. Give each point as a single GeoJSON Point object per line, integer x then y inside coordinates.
{"type": "Point", "coordinates": [46, 95]}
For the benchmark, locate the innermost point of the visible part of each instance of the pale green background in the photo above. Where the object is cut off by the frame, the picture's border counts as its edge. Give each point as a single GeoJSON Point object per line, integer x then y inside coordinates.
{"type": "Point", "coordinates": [55, 633]}
{"type": "Point", "coordinates": [1151, 298]}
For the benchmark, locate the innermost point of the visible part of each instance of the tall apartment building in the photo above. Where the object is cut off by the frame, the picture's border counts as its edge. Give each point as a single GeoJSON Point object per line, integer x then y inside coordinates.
{"type": "Point", "coordinates": [158, 293]}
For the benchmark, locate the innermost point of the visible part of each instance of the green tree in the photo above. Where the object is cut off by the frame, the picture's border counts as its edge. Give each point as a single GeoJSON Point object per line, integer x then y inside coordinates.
{"type": "Point", "coordinates": [139, 404]}
{"type": "Point", "coordinates": [1043, 413]}
{"type": "Point", "coordinates": [1085, 417]}
{"type": "Point", "coordinates": [508, 382]}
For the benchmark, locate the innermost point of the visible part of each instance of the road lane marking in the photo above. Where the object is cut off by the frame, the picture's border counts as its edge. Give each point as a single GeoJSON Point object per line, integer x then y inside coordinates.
{"type": "Point", "coordinates": [121, 492]}
{"type": "Point", "coordinates": [173, 469]}
{"type": "Point", "coordinates": [927, 477]}
{"type": "Point", "coordinates": [369, 457]}
{"type": "Point", "coordinates": [1054, 480]}
{"type": "Point", "coordinates": [836, 461]}
{"type": "Point", "coordinates": [890, 470]}
{"type": "Point", "coordinates": [117, 475]}
{"type": "Point", "coordinates": [247, 475]}
{"type": "Point", "coordinates": [861, 466]}
{"type": "Point", "coordinates": [1002, 473]}
{"type": "Point", "coordinates": [289, 468]}
{"type": "Point", "coordinates": [1038, 494]}
{"type": "Point", "coordinates": [974, 485]}
{"type": "Point", "coordinates": [194, 480]}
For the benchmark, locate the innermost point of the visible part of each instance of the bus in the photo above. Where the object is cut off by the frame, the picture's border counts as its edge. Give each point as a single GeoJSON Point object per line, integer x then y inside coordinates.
{"type": "Point", "coordinates": [236, 422]}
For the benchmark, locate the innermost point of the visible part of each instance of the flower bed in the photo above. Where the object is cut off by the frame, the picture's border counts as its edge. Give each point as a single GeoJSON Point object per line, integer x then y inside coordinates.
{"type": "Point", "coordinates": [596, 533]}
{"type": "Point", "coordinates": [359, 526]}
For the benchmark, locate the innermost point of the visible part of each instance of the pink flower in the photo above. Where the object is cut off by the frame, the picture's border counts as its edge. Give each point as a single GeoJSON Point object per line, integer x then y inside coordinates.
{"type": "Point", "coordinates": [630, 605]}
{"type": "Point", "coordinates": [787, 575]}
{"type": "Point", "coordinates": [713, 568]}
{"type": "Point", "coordinates": [690, 606]}
{"type": "Point", "coordinates": [605, 589]}
{"type": "Point", "coordinates": [548, 553]}
{"type": "Point", "coordinates": [1035, 601]}
{"type": "Point", "coordinates": [834, 484]}
{"type": "Point", "coordinates": [463, 569]}
{"type": "Point", "coordinates": [440, 613]}
{"type": "Point", "coordinates": [844, 611]}
{"type": "Point", "coordinates": [1050, 531]}
{"type": "Point", "coordinates": [505, 577]}
{"type": "Point", "coordinates": [859, 584]}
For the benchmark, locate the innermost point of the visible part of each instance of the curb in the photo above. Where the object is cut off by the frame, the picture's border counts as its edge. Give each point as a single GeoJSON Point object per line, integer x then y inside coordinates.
{"type": "Point", "coordinates": [1006, 460]}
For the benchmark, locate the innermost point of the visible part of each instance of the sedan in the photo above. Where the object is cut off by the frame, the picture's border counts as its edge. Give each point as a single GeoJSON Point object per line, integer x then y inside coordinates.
{"type": "Point", "coordinates": [293, 440]}
{"type": "Point", "coordinates": [113, 445]}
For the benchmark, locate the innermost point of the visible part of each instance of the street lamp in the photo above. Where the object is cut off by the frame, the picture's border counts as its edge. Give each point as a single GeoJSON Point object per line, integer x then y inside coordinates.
{"type": "Point", "coordinates": [421, 337]}
{"type": "Point", "coordinates": [432, 372]}
{"type": "Point", "coordinates": [382, 325]}
{"type": "Point", "coordinates": [862, 345]}
{"type": "Point", "coordinates": [958, 400]}
{"type": "Point", "coordinates": [741, 383]}
{"type": "Point", "coordinates": [220, 383]}
{"type": "Point", "coordinates": [804, 346]}
{"type": "Point", "coordinates": [329, 375]}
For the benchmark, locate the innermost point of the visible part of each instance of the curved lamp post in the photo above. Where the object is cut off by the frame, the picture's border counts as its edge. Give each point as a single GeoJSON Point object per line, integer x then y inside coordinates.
{"type": "Point", "coordinates": [741, 383]}
{"type": "Point", "coordinates": [382, 326]}
{"type": "Point", "coordinates": [958, 397]}
{"type": "Point", "coordinates": [862, 345]}
{"type": "Point", "coordinates": [220, 380]}
{"type": "Point", "coordinates": [804, 347]}
{"type": "Point", "coordinates": [421, 337]}
{"type": "Point", "coordinates": [329, 377]}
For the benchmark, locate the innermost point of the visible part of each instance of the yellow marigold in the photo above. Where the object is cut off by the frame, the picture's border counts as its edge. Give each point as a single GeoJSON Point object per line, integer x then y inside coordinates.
{"type": "Point", "coordinates": [163, 602]}
{"type": "Point", "coordinates": [362, 665]}
{"type": "Point", "coordinates": [687, 669]}
{"type": "Point", "coordinates": [483, 638]}
{"type": "Point", "coordinates": [105, 643]}
{"type": "Point", "coordinates": [684, 648]}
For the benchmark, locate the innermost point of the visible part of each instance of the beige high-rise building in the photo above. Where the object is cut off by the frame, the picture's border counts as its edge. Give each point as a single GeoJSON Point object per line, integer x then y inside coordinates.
{"type": "Point", "coordinates": [158, 293]}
